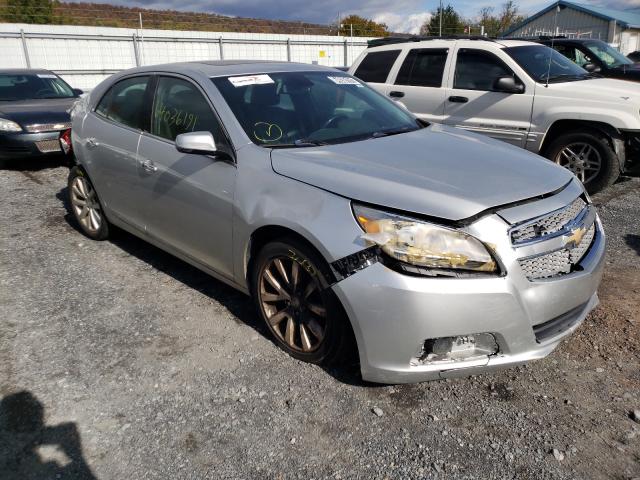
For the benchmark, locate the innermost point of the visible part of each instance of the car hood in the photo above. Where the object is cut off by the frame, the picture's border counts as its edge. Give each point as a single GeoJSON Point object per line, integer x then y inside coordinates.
{"type": "Point", "coordinates": [438, 171]}
{"type": "Point", "coordinates": [601, 90]}
{"type": "Point", "coordinates": [27, 112]}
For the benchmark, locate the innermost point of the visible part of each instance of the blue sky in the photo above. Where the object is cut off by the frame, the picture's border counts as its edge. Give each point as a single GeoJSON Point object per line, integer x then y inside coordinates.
{"type": "Point", "coordinates": [399, 15]}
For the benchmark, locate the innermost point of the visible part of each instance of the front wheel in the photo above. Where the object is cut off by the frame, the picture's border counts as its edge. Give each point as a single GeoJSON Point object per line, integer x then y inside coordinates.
{"type": "Point", "coordinates": [85, 205]}
{"type": "Point", "coordinates": [291, 292]}
{"type": "Point", "coordinates": [589, 156]}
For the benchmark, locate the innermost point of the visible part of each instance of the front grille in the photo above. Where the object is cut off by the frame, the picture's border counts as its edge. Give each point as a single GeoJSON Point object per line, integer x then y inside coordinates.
{"type": "Point", "coordinates": [559, 262]}
{"type": "Point", "coordinates": [47, 127]}
{"type": "Point", "coordinates": [48, 146]}
{"type": "Point", "coordinates": [552, 223]}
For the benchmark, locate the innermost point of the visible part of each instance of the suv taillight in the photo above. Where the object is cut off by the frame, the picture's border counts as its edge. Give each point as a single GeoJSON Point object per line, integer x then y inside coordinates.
{"type": "Point", "coordinates": [65, 141]}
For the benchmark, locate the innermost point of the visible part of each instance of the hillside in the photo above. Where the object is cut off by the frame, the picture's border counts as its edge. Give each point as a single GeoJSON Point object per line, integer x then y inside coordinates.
{"type": "Point", "coordinates": [104, 15]}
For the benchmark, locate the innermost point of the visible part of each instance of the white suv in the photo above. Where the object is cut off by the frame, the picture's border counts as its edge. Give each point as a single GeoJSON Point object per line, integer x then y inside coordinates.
{"type": "Point", "coordinates": [521, 92]}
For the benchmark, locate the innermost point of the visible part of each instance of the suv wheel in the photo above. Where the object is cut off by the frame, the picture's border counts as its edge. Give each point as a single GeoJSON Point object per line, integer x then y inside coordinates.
{"type": "Point", "coordinates": [291, 291]}
{"type": "Point", "coordinates": [85, 205]}
{"type": "Point", "coordinates": [589, 156]}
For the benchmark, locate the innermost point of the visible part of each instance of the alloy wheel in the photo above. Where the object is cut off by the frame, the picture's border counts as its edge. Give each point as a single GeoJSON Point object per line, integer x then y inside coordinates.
{"type": "Point", "coordinates": [582, 159]}
{"type": "Point", "coordinates": [291, 301]}
{"type": "Point", "coordinates": [85, 204]}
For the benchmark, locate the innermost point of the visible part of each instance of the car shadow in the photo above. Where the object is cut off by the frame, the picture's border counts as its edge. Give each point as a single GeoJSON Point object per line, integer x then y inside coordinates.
{"type": "Point", "coordinates": [633, 241]}
{"type": "Point", "coordinates": [237, 303]}
{"type": "Point", "coordinates": [34, 164]}
{"type": "Point", "coordinates": [29, 449]}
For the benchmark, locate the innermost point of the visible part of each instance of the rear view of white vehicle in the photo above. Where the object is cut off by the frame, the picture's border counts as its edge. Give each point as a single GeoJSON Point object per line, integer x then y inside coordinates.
{"type": "Point", "coordinates": [520, 92]}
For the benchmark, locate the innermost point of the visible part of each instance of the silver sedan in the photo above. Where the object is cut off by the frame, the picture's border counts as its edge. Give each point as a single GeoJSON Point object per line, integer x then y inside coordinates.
{"type": "Point", "coordinates": [358, 230]}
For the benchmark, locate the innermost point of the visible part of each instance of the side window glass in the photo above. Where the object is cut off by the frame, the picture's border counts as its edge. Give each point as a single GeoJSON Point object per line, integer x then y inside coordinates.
{"type": "Point", "coordinates": [423, 68]}
{"type": "Point", "coordinates": [478, 70]}
{"type": "Point", "coordinates": [124, 102]}
{"type": "Point", "coordinates": [179, 107]}
{"type": "Point", "coordinates": [375, 66]}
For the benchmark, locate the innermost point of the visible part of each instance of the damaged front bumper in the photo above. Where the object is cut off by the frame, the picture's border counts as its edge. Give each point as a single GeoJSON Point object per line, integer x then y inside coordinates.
{"type": "Point", "coordinates": [396, 316]}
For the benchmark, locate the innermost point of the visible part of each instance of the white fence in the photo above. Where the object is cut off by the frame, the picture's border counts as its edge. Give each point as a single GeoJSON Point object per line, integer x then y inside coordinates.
{"type": "Point", "coordinates": [84, 56]}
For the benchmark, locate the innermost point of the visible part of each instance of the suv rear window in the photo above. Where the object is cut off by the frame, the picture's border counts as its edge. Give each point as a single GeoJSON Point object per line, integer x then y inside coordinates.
{"type": "Point", "coordinates": [375, 67]}
{"type": "Point", "coordinates": [423, 67]}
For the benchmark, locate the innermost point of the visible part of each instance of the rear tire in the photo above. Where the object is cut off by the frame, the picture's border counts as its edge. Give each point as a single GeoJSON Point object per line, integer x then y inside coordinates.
{"type": "Point", "coordinates": [85, 205]}
{"type": "Point", "coordinates": [290, 288]}
{"type": "Point", "coordinates": [589, 156]}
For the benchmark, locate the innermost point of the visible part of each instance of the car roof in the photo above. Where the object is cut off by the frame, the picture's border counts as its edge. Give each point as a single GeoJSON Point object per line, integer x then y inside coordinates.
{"type": "Point", "coordinates": [218, 68]}
{"type": "Point", "coordinates": [559, 41]}
{"type": "Point", "coordinates": [23, 71]}
{"type": "Point", "coordinates": [417, 43]}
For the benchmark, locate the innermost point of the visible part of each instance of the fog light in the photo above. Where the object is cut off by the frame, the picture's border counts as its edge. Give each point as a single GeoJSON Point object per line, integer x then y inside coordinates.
{"type": "Point", "coordinates": [457, 349]}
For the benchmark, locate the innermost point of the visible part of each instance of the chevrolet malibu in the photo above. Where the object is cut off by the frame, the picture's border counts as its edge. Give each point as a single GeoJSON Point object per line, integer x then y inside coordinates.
{"type": "Point", "coordinates": [357, 229]}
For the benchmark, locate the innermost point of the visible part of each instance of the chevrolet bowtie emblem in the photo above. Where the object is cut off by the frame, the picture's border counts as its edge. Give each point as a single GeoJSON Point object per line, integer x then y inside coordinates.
{"type": "Point", "coordinates": [575, 238]}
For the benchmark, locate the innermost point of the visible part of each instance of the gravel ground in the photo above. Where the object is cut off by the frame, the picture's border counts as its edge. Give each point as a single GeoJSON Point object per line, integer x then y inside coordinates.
{"type": "Point", "coordinates": [118, 361]}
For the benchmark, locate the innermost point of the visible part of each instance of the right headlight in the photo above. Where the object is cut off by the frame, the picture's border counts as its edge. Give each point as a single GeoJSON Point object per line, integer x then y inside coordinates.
{"type": "Point", "coordinates": [423, 244]}
{"type": "Point", "coordinates": [9, 126]}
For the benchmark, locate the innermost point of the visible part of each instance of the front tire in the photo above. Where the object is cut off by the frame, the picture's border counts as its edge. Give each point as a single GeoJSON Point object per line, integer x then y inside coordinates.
{"type": "Point", "coordinates": [589, 156]}
{"type": "Point", "coordinates": [290, 288]}
{"type": "Point", "coordinates": [85, 205]}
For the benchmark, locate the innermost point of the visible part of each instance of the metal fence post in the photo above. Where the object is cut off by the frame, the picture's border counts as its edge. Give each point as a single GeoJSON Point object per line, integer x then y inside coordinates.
{"type": "Point", "coordinates": [220, 43]}
{"type": "Point", "coordinates": [135, 50]}
{"type": "Point", "coordinates": [288, 49]}
{"type": "Point", "coordinates": [346, 53]}
{"type": "Point", "coordinates": [25, 50]}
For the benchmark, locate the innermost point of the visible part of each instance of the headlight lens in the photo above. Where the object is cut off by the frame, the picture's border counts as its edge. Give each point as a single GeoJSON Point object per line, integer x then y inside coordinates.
{"type": "Point", "coordinates": [423, 244]}
{"type": "Point", "coordinates": [9, 126]}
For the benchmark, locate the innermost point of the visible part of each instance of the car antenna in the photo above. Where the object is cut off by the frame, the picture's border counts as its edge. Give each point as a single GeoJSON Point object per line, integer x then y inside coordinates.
{"type": "Point", "coordinates": [553, 38]}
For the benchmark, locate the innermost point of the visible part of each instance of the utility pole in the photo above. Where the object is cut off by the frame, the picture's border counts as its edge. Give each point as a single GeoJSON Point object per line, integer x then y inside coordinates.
{"type": "Point", "coordinates": [440, 17]}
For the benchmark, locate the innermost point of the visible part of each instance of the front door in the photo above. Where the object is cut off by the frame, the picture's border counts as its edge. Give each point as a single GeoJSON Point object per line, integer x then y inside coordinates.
{"type": "Point", "coordinates": [473, 103]}
{"type": "Point", "coordinates": [188, 197]}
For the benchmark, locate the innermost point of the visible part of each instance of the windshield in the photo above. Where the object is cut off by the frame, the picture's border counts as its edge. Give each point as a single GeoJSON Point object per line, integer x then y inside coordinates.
{"type": "Point", "coordinates": [542, 63]}
{"type": "Point", "coordinates": [33, 86]}
{"type": "Point", "coordinates": [299, 109]}
{"type": "Point", "coordinates": [609, 55]}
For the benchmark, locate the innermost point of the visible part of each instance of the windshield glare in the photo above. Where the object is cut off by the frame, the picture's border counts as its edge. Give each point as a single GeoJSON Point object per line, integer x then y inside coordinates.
{"type": "Point", "coordinates": [307, 108]}
{"type": "Point", "coordinates": [542, 63]}
{"type": "Point", "coordinates": [609, 55]}
{"type": "Point", "coordinates": [33, 86]}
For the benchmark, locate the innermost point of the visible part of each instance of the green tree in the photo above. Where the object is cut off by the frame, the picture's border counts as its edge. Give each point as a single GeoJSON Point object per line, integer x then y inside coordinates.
{"type": "Point", "coordinates": [452, 23]}
{"type": "Point", "coordinates": [27, 11]}
{"type": "Point", "coordinates": [362, 27]}
{"type": "Point", "coordinates": [495, 25]}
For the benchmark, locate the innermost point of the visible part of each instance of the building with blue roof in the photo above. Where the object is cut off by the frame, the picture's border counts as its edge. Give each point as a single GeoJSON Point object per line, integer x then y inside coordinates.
{"type": "Point", "coordinates": [620, 28]}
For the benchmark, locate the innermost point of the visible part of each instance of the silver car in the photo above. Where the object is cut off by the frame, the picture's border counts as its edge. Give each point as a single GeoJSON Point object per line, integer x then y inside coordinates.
{"type": "Point", "coordinates": [357, 229]}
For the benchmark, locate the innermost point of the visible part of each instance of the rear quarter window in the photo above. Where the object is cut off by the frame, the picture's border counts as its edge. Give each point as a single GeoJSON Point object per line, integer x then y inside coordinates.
{"type": "Point", "coordinates": [375, 66]}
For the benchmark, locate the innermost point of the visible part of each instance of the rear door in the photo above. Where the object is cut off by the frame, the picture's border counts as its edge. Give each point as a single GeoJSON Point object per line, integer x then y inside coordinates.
{"type": "Point", "coordinates": [375, 68]}
{"type": "Point", "coordinates": [473, 103]}
{"type": "Point", "coordinates": [419, 82]}
{"type": "Point", "coordinates": [110, 136]}
{"type": "Point", "coordinates": [188, 198]}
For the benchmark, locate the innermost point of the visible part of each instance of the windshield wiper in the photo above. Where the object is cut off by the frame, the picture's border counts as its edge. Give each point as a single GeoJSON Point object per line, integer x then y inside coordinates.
{"type": "Point", "coordinates": [564, 76]}
{"type": "Point", "coordinates": [298, 143]}
{"type": "Point", "coordinates": [397, 131]}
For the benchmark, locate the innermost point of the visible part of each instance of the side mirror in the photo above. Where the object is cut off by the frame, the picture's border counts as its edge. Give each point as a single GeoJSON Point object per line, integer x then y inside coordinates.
{"type": "Point", "coordinates": [196, 142]}
{"type": "Point", "coordinates": [592, 68]}
{"type": "Point", "coordinates": [77, 92]}
{"type": "Point", "coordinates": [508, 84]}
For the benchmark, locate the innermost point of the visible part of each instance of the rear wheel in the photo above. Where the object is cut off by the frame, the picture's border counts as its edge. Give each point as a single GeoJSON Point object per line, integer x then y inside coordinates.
{"type": "Point", "coordinates": [291, 290]}
{"type": "Point", "coordinates": [85, 205]}
{"type": "Point", "coordinates": [589, 156]}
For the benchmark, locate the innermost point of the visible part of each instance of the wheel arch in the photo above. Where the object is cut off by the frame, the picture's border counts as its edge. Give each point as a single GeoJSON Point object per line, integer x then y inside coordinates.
{"type": "Point", "coordinates": [560, 127]}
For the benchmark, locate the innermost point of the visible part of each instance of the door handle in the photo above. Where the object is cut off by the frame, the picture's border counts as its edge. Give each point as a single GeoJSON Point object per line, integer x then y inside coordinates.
{"type": "Point", "coordinates": [396, 94]}
{"type": "Point", "coordinates": [91, 142]}
{"type": "Point", "coordinates": [149, 166]}
{"type": "Point", "coordinates": [455, 99]}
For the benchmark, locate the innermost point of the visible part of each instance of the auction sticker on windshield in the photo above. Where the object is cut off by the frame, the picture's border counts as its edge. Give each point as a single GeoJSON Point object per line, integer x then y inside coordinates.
{"type": "Point", "coordinates": [250, 80]}
{"type": "Point", "coordinates": [345, 81]}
